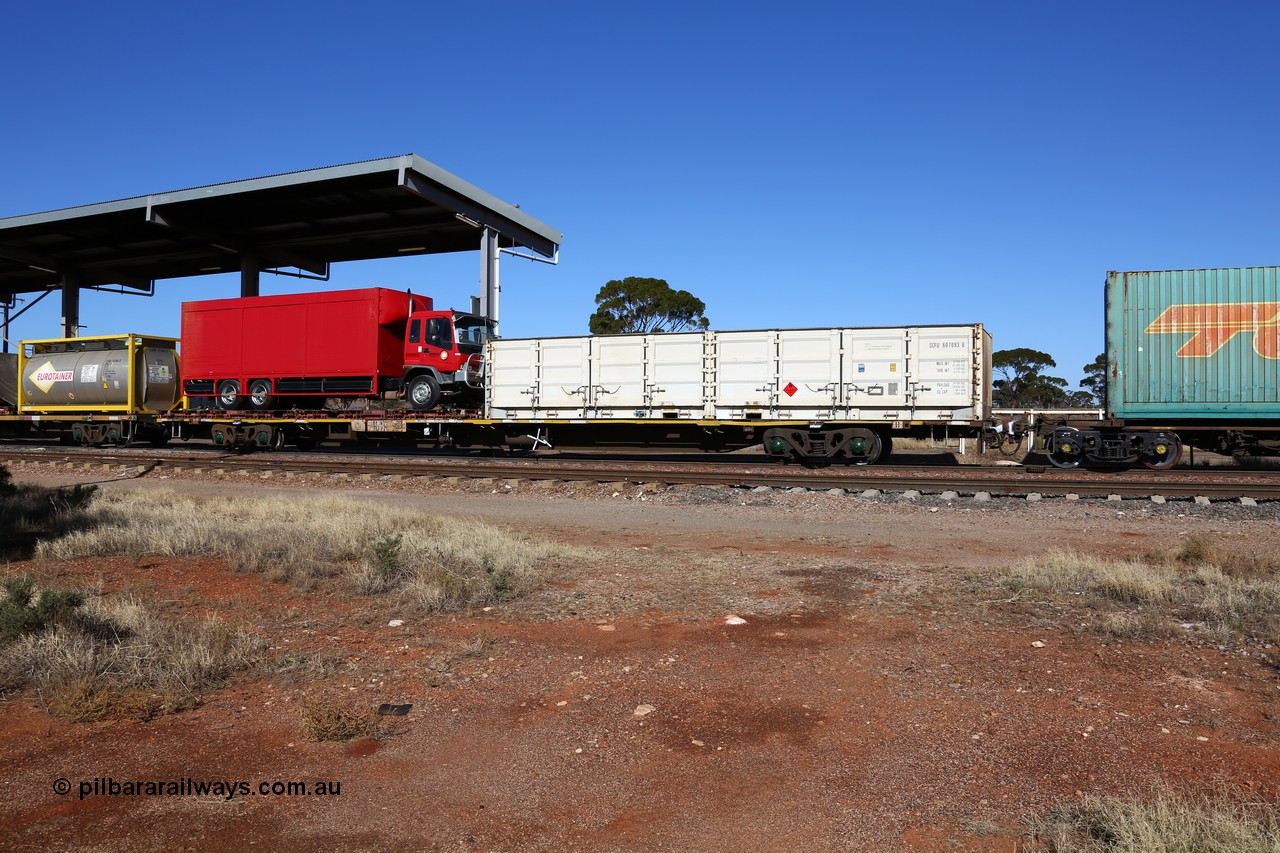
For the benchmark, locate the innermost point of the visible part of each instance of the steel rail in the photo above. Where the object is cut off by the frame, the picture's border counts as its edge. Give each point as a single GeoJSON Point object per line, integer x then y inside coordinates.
{"type": "Point", "coordinates": [933, 480]}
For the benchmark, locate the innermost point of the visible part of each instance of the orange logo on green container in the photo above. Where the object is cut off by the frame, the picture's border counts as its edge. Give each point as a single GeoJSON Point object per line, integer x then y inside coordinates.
{"type": "Point", "coordinates": [1212, 325]}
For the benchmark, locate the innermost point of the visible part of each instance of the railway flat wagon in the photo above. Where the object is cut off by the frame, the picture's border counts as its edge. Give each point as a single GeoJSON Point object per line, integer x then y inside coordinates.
{"type": "Point", "coordinates": [110, 388]}
{"type": "Point", "coordinates": [244, 350]}
{"type": "Point", "coordinates": [268, 352]}
{"type": "Point", "coordinates": [1193, 357]}
{"type": "Point", "coordinates": [804, 393]}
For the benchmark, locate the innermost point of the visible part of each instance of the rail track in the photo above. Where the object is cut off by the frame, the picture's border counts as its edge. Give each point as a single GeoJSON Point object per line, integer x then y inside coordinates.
{"type": "Point", "coordinates": [727, 471]}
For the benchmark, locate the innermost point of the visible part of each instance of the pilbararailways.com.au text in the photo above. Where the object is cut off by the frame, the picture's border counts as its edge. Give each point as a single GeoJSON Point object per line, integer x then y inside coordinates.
{"type": "Point", "coordinates": [227, 789]}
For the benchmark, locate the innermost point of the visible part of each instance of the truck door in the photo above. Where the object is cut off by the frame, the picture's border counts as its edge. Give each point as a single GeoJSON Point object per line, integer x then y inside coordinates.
{"type": "Point", "coordinates": [430, 341]}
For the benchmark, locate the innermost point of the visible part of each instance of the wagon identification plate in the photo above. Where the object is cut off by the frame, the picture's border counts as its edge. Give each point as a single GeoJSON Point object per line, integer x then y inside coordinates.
{"type": "Point", "coordinates": [381, 425]}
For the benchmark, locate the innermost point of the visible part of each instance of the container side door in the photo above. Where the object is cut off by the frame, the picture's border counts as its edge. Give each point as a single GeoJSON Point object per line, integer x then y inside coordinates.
{"type": "Point", "coordinates": [618, 364]}
{"type": "Point", "coordinates": [746, 372]}
{"type": "Point", "coordinates": [875, 368]}
{"type": "Point", "coordinates": [511, 378]}
{"type": "Point", "coordinates": [675, 371]}
{"type": "Point", "coordinates": [808, 371]}
{"type": "Point", "coordinates": [564, 376]}
{"type": "Point", "coordinates": [946, 363]}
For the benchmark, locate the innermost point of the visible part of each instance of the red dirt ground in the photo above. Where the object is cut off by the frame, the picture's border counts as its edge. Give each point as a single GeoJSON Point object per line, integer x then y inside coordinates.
{"type": "Point", "coordinates": [864, 705]}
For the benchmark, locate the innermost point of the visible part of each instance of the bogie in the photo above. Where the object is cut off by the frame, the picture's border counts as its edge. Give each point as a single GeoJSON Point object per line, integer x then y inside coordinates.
{"type": "Point", "coordinates": [851, 445]}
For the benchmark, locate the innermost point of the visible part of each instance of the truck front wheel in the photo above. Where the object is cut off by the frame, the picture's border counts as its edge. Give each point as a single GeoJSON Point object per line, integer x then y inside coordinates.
{"type": "Point", "coordinates": [423, 392]}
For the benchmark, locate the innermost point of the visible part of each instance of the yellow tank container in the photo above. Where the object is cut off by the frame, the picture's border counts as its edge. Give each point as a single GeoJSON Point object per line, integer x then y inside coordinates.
{"type": "Point", "coordinates": [125, 374]}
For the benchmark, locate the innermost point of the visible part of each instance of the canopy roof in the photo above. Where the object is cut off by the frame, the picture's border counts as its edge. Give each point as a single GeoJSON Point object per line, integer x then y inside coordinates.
{"type": "Point", "coordinates": [306, 220]}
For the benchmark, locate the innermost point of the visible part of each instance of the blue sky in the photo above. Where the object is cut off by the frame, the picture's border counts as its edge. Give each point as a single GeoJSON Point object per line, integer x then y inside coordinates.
{"type": "Point", "coordinates": [801, 164]}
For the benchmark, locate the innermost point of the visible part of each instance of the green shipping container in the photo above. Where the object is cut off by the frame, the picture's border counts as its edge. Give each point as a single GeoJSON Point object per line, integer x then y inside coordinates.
{"type": "Point", "coordinates": [1194, 344]}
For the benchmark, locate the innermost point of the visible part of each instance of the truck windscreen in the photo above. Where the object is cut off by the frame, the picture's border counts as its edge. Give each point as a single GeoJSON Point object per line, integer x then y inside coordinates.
{"type": "Point", "coordinates": [472, 332]}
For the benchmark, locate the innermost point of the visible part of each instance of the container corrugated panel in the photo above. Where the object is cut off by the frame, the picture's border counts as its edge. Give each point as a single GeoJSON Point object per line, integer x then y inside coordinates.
{"type": "Point", "coordinates": [9, 379]}
{"type": "Point", "coordinates": [1194, 344]}
{"type": "Point", "coordinates": [876, 374]}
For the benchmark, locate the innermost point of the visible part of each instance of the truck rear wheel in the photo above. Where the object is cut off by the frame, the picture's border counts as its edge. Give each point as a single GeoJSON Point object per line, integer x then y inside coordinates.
{"type": "Point", "coordinates": [229, 395]}
{"type": "Point", "coordinates": [423, 392]}
{"type": "Point", "coordinates": [260, 395]}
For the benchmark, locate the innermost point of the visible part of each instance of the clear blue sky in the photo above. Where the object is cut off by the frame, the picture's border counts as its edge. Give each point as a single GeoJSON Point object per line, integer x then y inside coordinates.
{"type": "Point", "coordinates": [801, 164]}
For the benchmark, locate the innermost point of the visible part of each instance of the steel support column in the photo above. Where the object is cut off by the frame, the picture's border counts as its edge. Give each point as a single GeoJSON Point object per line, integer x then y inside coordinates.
{"type": "Point", "coordinates": [249, 269]}
{"type": "Point", "coordinates": [70, 306]}
{"type": "Point", "coordinates": [489, 285]}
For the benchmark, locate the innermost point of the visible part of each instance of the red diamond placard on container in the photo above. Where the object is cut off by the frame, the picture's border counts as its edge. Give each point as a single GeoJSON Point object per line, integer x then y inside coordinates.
{"type": "Point", "coordinates": [790, 390]}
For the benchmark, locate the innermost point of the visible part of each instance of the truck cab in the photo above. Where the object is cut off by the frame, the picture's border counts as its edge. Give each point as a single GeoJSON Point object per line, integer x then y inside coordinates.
{"type": "Point", "coordinates": [444, 350]}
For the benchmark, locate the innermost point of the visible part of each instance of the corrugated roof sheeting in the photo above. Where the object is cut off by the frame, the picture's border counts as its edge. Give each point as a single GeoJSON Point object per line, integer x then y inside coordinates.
{"type": "Point", "coordinates": [307, 219]}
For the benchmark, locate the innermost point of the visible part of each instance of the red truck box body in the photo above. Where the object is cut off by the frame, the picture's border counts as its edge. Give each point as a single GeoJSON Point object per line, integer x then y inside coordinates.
{"type": "Point", "coordinates": [354, 333]}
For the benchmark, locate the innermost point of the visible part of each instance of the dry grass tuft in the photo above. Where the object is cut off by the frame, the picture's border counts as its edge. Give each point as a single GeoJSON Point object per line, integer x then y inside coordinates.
{"type": "Point", "coordinates": [1069, 572]}
{"type": "Point", "coordinates": [1163, 821]}
{"type": "Point", "coordinates": [429, 563]}
{"type": "Point", "coordinates": [119, 659]}
{"type": "Point", "coordinates": [1231, 597]}
{"type": "Point", "coordinates": [1197, 551]}
{"type": "Point", "coordinates": [326, 718]}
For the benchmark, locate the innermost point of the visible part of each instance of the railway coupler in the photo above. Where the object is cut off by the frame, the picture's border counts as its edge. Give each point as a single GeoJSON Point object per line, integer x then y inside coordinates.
{"type": "Point", "coordinates": [1005, 436]}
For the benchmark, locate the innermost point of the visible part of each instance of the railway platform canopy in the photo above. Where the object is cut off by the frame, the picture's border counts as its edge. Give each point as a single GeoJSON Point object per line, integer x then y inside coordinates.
{"type": "Point", "coordinates": [298, 223]}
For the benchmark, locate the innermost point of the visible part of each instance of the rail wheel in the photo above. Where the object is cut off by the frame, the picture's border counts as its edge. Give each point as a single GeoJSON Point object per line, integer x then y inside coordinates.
{"type": "Point", "coordinates": [229, 397]}
{"type": "Point", "coordinates": [423, 392]}
{"type": "Point", "coordinates": [874, 447]}
{"type": "Point", "coordinates": [1164, 454]}
{"type": "Point", "coordinates": [1065, 455]}
{"type": "Point", "coordinates": [260, 397]}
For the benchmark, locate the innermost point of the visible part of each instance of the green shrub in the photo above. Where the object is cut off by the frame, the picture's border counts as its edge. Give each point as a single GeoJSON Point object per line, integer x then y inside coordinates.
{"type": "Point", "coordinates": [24, 612]}
{"type": "Point", "coordinates": [383, 568]}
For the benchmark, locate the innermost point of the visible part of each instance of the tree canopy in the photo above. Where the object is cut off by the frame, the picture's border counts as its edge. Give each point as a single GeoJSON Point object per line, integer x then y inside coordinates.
{"type": "Point", "coordinates": [1023, 383]}
{"type": "Point", "coordinates": [637, 304]}
{"type": "Point", "coordinates": [1095, 379]}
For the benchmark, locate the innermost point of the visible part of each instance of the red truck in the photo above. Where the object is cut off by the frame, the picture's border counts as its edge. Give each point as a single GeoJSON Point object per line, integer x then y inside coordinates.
{"type": "Point", "coordinates": [270, 352]}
